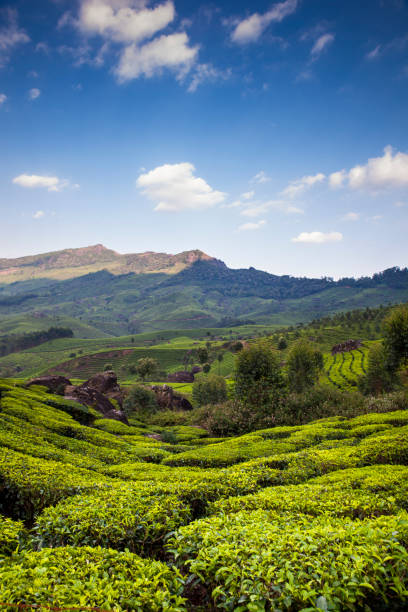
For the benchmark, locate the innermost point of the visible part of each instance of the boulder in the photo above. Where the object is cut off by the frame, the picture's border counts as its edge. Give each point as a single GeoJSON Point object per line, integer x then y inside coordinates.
{"type": "Point", "coordinates": [95, 399]}
{"type": "Point", "coordinates": [168, 399]}
{"type": "Point", "coordinates": [54, 383]}
{"type": "Point", "coordinates": [181, 376]}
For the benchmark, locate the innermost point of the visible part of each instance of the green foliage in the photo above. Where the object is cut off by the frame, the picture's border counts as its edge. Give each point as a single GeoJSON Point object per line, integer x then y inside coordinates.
{"type": "Point", "coordinates": [258, 377]}
{"type": "Point", "coordinates": [202, 354]}
{"type": "Point", "coordinates": [141, 401]}
{"type": "Point", "coordinates": [303, 366]}
{"type": "Point", "coordinates": [378, 378]}
{"type": "Point", "coordinates": [122, 517]}
{"type": "Point", "coordinates": [107, 367]}
{"type": "Point", "coordinates": [91, 577]}
{"type": "Point", "coordinates": [12, 536]}
{"type": "Point", "coordinates": [295, 563]}
{"type": "Point", "coordinates": [146, 367]}
{"type": "Point", "coordinates": [209, 390]}
{"type": "Point", "coordinates": [282, 344]}
{"type": "Point", "coordinates": [396, 337]}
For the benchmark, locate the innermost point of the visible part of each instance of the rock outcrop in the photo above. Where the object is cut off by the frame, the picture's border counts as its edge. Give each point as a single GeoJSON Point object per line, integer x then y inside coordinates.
{"type": "Point", "coordinates": [181, 376]}
{"type": "Point", "coordinates": [56, 384]}
{"type": "Point", "coordinates": [168, 399]}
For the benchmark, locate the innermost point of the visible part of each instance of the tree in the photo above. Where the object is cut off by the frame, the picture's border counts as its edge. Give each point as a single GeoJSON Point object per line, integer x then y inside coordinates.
{"type": "Point", "coordinates": [396, 338]}
{"type": "Point", "coordinates": [220, 357]}
{"type": "Point", "coordinates": [202, 354]}
{"type": "Point", "coordinates": [146, 367]}
{"type": "Point", "coordinates": [140, 400]}
{"type": "Point", "coordinates": [304, 365]}
{"type": "Point", "coordinates": [206, 368]}
{"type": "Point", "coordinates": [378, 378]}
{"type": "Point", "coordinates": [209, 390]}
{"type": "Point", "coordinates": [107, 367]}
{"type": "Point", "coordinates": [258, 376]}
{"type": "Point", "coordinates": [282, 344]}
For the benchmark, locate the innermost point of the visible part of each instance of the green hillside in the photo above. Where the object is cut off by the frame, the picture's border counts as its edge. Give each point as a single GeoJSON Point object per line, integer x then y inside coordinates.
{"type": "Point", "coordinates": [107, 294]}
{"type": "Point", "coordinates": [311, 517]}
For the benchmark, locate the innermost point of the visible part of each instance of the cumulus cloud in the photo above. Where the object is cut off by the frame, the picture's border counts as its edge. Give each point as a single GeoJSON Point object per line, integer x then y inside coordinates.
{"type": "Point", "coordinates": [175, 188]}
{"type": "Point", "coordinates": [260, 177]}
{"type": "Point", "coordinates": [351, 216]}
{"type": "Point", "coordinates": [39, 214]}
{"type": "Point", "coordinates": [10, 35]}
{"type": "Point", "coordinates": [34, 93]}
{"type": "Point", "coordinates": [3, 98]}
{"type": "Point", "coordinates": [251, 226]}
{"type": "Point", "coordinates": [33, 181]}
{"type": "Point", "coordinates": [125, 21]}
{"type": "Point", "coordinates": [250, 29]}
{"type": "Point", "coordinates": [248, 195]}
{"type": "Point", "coordinates": [300, 185]}
{"type": "Point", "coordinates": [336, 179]}
{"type": "Point", "coordinates": [172, 51]}
{"type": "Point", "coordinates": [388, 171]}
{"type": "Point", "coordinates": [129, 29]}
{"type": "Point", "coordinates": [320, 45]}
{"type": "Point", "coordinates": [318, 237]}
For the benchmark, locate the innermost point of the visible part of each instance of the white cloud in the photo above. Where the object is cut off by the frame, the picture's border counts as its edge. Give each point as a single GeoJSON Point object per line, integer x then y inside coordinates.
{"type": "Point", "coordinates": [351, 216]}
{"type": "Point", "coordinates": [388, 171]}
{"type": "Point", "coordinates": [3, 98]}
{"type": "Point", "coordinates": [250, 29]}
{"type": "Point", "coordinates": [125, 21]}
{"type": "Point", "coordinates": [260, 177]}
{"type": "Point", "coordinates": [10, 35]}
{"type": "Point", "coordinates": [256, 209]}
{"type": "Point", "coordinates": [248, 195]}
{"type": "Point", "coordinates": [126, 26]}
{"type": "Point", "coordinates": [170, 51]}
{"type": "Point", "coordinates": [33, 181]}
{"type": "Point", "coordinates": [318, 237]}
{"type": "Point", "coordinates": [336, 179]}
{"type": "Point", "coordinates": [207, 72]}
{"type": "Point", "coordinates": [175, 188]}
{"type": "Point", "coordinates": [34, 93]}
{"type": "Point", "coordinates": [321, 44]}
{"type": "Point", "coordinates": [400, 204]}
{"type": "Point", "coordinates": [39, 214]}
{"type": "Point", "coordinates": [251, 226]}
{"type": "Point", "coordinates": [376, 52]}
{"type": "Point", "coordinates": [42, 47]}
{"type": "Point", "coordinates": [300, 185]}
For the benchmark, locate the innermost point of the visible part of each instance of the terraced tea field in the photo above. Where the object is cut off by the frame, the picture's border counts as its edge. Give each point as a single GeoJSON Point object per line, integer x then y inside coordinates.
{"type": "Point", "coordinates": [95, 514]}
{"type": "Point", "coordinates": [344, 369]}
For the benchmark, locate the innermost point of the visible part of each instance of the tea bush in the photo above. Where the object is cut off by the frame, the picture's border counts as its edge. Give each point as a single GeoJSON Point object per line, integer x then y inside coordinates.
{"type": "Point", "coordinates": [91, 577]}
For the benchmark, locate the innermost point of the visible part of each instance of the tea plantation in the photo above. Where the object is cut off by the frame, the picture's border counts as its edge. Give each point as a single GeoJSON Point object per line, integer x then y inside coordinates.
{"type": "Point", "coordinates": [96, 514]}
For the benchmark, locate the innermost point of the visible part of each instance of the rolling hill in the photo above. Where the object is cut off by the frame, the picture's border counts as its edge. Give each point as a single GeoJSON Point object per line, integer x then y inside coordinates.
{"type": "Point", "coordinates": [108, 294]}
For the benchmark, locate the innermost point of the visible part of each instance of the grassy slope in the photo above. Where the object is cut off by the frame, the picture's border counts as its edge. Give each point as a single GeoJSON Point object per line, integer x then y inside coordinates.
{"type": "Point", "coordinates": [291, 518]}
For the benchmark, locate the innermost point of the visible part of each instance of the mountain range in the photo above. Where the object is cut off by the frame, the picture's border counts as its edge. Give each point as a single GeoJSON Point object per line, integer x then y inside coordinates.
{"type": "Point", "coordinates": [97, 292]}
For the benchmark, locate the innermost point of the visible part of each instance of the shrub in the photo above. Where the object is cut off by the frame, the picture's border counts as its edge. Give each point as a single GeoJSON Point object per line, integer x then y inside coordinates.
{"type": "Point", "coordinates": [107, 367]}
{"type": "Point", "coordinates": [125, 516]}
{"type": "Point", "coordinates": [209, 390]}
{"type": "Point", "coordinates": [258, 377]}
{"type": "Point", "coordinates": [304, 364]}
{"type": "Point", "coordinates": [259, 560]}
{"type": "Point", "coordinates": [83, 577]}
{"type": "Point", "coordinates": [12, 536]}
{"type": "Point", "coordinates": [141, 401]}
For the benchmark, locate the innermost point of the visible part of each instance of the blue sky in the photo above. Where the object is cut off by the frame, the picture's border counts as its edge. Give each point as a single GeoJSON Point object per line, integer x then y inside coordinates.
{"type": "Point", "coordinates": [267, 134]}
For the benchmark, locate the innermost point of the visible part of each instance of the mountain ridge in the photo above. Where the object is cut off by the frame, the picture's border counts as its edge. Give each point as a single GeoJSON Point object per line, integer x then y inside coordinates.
{"type": "Point", "coordinates": [71, 263]}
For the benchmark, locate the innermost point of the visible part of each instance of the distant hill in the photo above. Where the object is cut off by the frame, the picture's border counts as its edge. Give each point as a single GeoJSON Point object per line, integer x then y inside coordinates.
{"type": "Point", "coordinates": [70, 263]}
{"type": "Point", "coordinates": [110, 294]}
